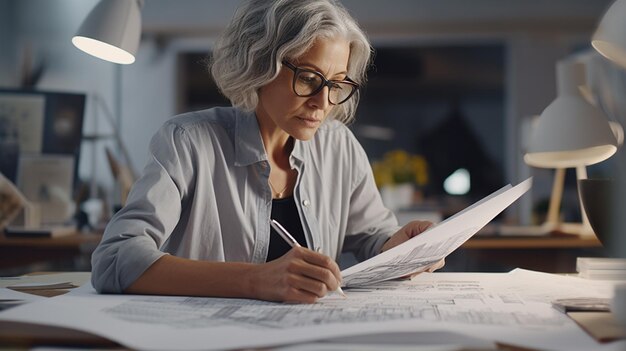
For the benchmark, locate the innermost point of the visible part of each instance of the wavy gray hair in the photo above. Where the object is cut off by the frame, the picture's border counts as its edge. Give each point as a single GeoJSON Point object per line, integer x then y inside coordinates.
{"type": "Point", "coordinates": [264, 32]}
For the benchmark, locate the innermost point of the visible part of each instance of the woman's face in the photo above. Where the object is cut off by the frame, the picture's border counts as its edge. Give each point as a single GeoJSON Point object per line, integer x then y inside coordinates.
{"type": "Point", "coordinates": [300, 117]}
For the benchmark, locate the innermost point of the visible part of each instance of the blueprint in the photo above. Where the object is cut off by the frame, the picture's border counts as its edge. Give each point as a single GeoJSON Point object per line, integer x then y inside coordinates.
{"type": "Point", "coordinates": [419, 257]}
{"type": "Point", "coordinates": [423, 250]}
{"type": "Point", "coordinates": [511, 307]}
{"type": "Point", "coordinates": [443, 301]}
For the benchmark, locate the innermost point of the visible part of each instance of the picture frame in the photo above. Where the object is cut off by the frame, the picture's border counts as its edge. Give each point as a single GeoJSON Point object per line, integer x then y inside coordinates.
{"type": "Point", "coordinates": [47, 181]}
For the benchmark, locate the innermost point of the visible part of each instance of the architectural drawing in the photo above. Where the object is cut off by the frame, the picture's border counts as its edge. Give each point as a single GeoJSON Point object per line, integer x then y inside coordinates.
{"type": "Point", "coordinates": [451, 301]}
{"type": "Point", "coordinates": [427, 248]}
{"type": "Point", "coordinates": [420, 258]}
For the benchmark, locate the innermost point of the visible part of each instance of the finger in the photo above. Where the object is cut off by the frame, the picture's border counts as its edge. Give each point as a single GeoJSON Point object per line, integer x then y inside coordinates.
{"type": "Point", "coordinates": [318, 273]}
{"type": "Point", "coordinates": [436, 266]}
{"type": "Point", "coordinates": [295, 295]}
{"type": "Point", "coordinates": [323, 261]}
{"type": "Point", "coordinates": [414, 275]}
{"type": "Point", "coordinates": [417, 227]}
{"type": "Point", "coordinates": [308, 285]}
{"type": "Point", "coordinates": [311, 260]}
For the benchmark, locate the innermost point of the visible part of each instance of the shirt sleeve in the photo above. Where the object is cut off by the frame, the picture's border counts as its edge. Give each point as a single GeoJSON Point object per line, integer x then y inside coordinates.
{"type": "Point", "coordinates": [134, 236]}
{"type": "Point", "coordinates": [370, 223]}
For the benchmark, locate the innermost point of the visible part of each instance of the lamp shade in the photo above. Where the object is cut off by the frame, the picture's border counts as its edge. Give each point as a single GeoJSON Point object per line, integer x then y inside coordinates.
{"type": "Point", "coordinates": [570, 132]}
{"type": "Point", "coordinates": [111, 31]}
{"type": "Point", "coordinates": [610, 37]}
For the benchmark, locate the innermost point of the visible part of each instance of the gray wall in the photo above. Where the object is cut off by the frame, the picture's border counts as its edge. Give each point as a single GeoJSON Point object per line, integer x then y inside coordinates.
{"type": "Point", "coordinates": [7, 43]}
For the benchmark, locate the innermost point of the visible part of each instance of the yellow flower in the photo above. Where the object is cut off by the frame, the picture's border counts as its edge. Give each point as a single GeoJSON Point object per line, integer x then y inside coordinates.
{"type": "Point", "coordinates": [398, 166]}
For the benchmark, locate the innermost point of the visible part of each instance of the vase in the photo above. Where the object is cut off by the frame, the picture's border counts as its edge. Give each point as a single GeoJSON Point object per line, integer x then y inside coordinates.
{"type": "Point", "coordinates": [397, 196]}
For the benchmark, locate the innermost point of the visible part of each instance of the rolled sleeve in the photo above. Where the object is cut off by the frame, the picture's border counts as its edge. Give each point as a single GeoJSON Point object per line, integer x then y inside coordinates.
{"type": "Point", "coordinates": [134, 236]}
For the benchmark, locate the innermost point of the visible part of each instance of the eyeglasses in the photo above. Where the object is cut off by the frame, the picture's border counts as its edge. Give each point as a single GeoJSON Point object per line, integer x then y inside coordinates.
{"type": "Point", "coordinates": [307, 83]}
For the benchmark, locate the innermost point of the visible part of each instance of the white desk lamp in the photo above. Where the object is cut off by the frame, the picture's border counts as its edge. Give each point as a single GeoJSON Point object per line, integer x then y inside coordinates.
{"type": "Point", "coordinates": [111, 31]}
{"type": "Point", "coordinates": [610, 36]}
{"type": "Point", "coordinates": [570, 133]}
{"type": "Point", "coordinates": [610, 41]}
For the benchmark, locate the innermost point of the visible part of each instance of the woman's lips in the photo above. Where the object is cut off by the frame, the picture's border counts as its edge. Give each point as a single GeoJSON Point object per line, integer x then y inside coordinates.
{"type": "Point", "coordinates": [310, 121]}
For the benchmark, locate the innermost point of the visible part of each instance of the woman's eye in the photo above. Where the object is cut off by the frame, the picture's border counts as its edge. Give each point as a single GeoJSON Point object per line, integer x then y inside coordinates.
{"type": "Point", "coordinates": [308, 79]}
{"type": "Point", "coordinates": [336, 87]}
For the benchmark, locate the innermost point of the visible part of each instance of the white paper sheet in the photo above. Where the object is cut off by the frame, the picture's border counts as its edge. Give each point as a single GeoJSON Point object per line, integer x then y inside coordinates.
{"type": "Point", "coordinates": [11, 298]}
{"type": "Point", "coordinates": [482, 305]}
{"type": "Point", "coordinates": [423, 250]}
{"type": "Point", "coordinates": [12, 295]}
{"type": "Point", "coordinates": [76, 278]}
{"type": "Point", "coordinates": [407, 341]}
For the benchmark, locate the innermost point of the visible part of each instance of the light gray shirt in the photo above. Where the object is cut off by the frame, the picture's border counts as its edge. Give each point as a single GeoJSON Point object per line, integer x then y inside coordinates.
{"type": "Point", "coordinates": [204, 195]}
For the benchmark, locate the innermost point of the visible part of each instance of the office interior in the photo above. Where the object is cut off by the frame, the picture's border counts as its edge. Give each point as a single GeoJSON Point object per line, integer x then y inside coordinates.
{"type": "Point", "coordinates": [453, 91]}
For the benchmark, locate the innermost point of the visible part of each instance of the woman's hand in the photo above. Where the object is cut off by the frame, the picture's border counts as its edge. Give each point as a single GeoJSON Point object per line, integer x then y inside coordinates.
{"type": "Point", "coordinates": [301, 276]}
{"type": "Point", "coordinates": [407, 232]}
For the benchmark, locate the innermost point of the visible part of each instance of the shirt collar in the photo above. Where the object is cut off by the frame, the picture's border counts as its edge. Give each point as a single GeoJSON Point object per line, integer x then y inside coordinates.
{"type": "Point", "coordinates": [249, 146]}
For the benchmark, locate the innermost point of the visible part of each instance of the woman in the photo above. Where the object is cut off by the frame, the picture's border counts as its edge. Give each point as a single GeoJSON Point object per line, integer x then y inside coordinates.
{"type": "Point", "coordinates": [198, 220]}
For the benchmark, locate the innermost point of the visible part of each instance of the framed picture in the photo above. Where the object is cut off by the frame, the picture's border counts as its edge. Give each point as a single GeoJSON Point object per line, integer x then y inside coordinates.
{"type": "Point", "coordinates": [46, 180]}
{"type": "Point", "coordinates": [39, 122]}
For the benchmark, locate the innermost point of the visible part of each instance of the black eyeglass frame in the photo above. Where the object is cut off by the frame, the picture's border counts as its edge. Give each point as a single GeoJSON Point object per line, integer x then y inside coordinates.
{"type": "Point", "coordinates": [326, 83]}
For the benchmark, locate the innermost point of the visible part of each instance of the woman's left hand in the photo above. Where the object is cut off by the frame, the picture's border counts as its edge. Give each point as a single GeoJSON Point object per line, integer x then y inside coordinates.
{"type": "Point", "coordinates": [407, 232]}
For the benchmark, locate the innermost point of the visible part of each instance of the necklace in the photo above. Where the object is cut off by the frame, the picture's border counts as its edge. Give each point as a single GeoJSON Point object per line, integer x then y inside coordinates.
{"type": "Point", "coordinates": [279, 194]}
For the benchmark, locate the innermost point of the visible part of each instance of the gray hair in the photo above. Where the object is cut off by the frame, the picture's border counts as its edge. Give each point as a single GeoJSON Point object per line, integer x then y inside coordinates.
{"type": "Point", "coordinates": [265, 32]}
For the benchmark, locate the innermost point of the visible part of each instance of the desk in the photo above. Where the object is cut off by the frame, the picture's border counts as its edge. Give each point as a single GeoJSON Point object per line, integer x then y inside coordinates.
{"type": "Point", "coordinates": [532, 242]}
{"type": "Point", "coordinates": [21, 252]}
{"type": "Point", "coordinates": [553, 253]}
{"type": "Point", "coordinates": [27, 335]}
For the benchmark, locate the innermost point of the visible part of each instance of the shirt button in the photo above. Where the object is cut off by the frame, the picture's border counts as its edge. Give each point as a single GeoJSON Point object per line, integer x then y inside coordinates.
{"type": "Point", "coordinates": [306, 203]}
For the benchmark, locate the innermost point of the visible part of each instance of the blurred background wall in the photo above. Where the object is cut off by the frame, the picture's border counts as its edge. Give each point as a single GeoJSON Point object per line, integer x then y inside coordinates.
{"type": "Point", "coordinates": [526, 38]}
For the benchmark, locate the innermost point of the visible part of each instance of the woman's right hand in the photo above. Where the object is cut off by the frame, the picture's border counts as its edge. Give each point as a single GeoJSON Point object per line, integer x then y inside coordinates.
{"type": "Point", "coordinates": [300, 276]}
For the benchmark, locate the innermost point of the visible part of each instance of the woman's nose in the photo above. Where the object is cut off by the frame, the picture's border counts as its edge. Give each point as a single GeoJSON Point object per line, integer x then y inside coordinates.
{"type": "Point", "coordinates": [320, 100]}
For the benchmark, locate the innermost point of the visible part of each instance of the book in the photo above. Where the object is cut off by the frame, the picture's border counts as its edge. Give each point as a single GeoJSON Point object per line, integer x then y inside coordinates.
{"type": "Point", "coordinates": [42, 286]}
{"type": "Point", "coordinates": [603, 274]}
{"type": "Point", "coordinates": [601, 268]}
{"type": "Point", "coordinates": [592, 263]}
{"type": "Point", "coordinates": [46, 231]}
{"type": "Point", "coordinates": [592, 304]}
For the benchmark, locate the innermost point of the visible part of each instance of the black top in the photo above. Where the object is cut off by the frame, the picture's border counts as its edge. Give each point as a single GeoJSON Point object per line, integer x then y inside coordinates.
{"type": "Point", "coordinates": [285, 212]}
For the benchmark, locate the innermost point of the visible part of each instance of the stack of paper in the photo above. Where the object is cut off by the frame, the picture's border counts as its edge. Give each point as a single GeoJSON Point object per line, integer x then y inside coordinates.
{"type": "Point", "coordinates": [601, 268]}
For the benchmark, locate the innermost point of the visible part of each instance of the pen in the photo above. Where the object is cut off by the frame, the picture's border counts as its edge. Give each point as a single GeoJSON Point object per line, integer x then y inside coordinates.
{"type": "Point", "coordinates": [292, 242]}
